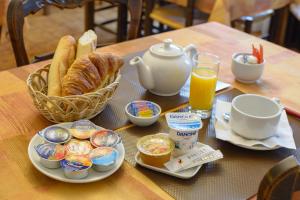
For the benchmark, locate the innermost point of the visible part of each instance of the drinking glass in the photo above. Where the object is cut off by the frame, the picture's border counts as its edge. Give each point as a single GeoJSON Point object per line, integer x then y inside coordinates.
{"type": "Point", "coordinates": [203, 83]}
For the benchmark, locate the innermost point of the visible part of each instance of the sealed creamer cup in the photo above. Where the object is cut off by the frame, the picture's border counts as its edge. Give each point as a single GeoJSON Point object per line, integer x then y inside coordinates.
{"type": "Point", "coordinates": [78, 147]}
{"type": "Point", "coordinates": [104, 158]}
{"type": "Point", "coordinates": [184, 129]}
{"type": "Point", "coordinates": [76, 166]}
{"type": "Point", "coordinates": [50, 154]}
{"type": "Point", "coordinates": [82, 129]}
{"type": "Point", "coordinates": [105, 138]}
{"type": "Point", "coordinates": [55, 134]}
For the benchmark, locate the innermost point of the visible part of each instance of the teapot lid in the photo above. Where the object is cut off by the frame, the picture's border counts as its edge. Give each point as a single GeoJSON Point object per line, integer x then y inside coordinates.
{"type": "Point", "coordinates": [166, 49]}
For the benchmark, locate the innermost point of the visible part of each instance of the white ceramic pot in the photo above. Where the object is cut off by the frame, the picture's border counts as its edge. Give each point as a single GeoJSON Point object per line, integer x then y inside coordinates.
{"type": "Point", "coordinates": [246, 73]}
{"type": "Point", "coordinates": [165, 67]}
{"type": "Point", "coordinates": [255, 117]}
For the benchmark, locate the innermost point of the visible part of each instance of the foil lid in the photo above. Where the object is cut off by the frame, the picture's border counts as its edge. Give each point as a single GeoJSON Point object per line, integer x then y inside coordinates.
{"type": "Point", "coordinates": [50, 151]}
{"type": "Point", "coordinates": [78, 147]}
{"type": "Point", "coordinates": [104, 156]}
{"type": "Point", "coordinates": [76, 162]}
{"type": "Point", "coordinates": [83, 129]}
{"type": "Point", "coordinates": [55, 134]}
{"type": "Point", "coordinates": [105, 138]}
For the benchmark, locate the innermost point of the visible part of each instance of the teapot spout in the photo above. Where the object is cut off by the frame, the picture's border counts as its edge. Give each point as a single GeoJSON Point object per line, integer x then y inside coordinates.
{"type": "Point", "coordinates": [144, 72]}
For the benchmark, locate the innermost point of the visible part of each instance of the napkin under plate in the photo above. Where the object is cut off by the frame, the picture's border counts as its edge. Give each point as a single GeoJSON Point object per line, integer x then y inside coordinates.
{"type": "Point", "coordinates": [283, 137]}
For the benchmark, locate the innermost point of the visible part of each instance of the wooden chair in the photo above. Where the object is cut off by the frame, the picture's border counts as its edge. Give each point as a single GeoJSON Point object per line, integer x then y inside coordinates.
{"type": "Point", "coordinates": [281, 182]}
{"type": "Point", "coordinates": [122, 22]}
{"type": "Point", "coordinates": [292, 39]}
{"type": "Point", "coordinates": [278, 24]}
{"type": "Point", "coordinates": [248, 21]}
{"type": "Point", "coordinates": [19, 9]}
{"type": "Point", "coordinates": [171, 15]}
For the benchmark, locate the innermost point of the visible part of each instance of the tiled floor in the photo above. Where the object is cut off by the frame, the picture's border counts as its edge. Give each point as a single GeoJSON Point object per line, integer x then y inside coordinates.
{"type": "Point", "coordinates": [42, 32]}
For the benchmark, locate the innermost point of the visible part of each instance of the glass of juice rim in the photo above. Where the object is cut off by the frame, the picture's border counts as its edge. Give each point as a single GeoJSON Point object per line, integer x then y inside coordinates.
{"type": "Point", "coordinates": [203, 83]}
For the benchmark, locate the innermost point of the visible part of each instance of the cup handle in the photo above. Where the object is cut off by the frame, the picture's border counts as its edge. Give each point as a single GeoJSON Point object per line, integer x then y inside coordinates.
{"type": "Point", "coordinates": [277, 100]}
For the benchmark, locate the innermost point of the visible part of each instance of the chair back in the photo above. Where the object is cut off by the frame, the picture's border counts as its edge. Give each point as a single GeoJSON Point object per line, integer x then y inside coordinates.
{"type": "Point", "coordinates": [281, 181]}
{"type": "Point", "coordinates": [18, 9]}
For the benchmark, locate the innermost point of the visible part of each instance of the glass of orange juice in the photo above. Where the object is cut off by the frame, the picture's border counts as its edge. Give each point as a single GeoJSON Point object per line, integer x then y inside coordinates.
{"type": "Point", "coordinates": [203, 83]}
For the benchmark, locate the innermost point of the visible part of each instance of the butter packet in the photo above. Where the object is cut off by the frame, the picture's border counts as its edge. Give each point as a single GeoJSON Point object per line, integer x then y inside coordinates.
{"type": "Point", "coordinates": [198, 156]}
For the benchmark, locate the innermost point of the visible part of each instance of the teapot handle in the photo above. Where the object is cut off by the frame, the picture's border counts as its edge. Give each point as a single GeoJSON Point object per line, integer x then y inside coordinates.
{"type": "Point", "coordinates": [191, 51]}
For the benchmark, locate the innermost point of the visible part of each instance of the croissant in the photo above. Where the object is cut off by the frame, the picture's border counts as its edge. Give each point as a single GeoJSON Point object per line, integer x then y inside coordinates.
{"type": "Point", "coordinates": [89, 73]}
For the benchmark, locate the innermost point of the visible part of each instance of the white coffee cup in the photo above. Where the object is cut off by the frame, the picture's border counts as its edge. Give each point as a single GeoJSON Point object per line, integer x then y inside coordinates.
{"type": "Point", "coordinates": [254, 116]}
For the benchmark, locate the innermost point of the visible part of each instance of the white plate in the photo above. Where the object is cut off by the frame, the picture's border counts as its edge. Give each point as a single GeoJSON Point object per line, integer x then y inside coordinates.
{"type": "Point", "coordinates": [58, 174]}
{"type": "Point", "coordinates": [185, 174]}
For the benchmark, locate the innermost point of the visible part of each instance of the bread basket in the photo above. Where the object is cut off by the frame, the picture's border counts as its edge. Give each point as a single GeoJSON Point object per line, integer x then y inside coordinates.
{"type": "Point", "coordinates": [69, 108]}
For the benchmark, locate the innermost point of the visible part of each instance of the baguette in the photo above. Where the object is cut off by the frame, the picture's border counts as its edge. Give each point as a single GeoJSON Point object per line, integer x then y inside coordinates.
{"type": "Point", "coordinates": [87, 43]}
{"type": "Point", "coordinates": [63, 58]}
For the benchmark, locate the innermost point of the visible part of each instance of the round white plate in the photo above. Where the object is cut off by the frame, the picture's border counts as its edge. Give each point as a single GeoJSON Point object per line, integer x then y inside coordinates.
{"type": "Point", "coordinates": [58, 174]}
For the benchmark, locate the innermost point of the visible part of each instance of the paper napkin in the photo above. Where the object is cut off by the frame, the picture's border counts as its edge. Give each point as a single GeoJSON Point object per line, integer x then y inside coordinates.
{"type": "Point", "coordinates": [283, 137]}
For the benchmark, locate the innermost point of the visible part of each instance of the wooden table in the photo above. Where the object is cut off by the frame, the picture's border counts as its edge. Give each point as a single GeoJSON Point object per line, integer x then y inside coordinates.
{"type": "Point", "coordinates": [19, 120]}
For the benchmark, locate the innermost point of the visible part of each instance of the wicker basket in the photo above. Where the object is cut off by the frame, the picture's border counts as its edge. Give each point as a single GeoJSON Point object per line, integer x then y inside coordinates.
{"type": "Point", "coordinates": [69, 108]}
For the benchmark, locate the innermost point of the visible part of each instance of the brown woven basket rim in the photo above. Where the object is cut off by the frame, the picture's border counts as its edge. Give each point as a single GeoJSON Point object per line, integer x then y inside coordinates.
{"type": "Point", "coordinates": [29, 80]}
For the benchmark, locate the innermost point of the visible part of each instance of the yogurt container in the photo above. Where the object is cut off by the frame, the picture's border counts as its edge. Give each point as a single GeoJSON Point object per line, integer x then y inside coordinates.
{"type": "Point", "coordinates": [104, 158]}
{"type": "Point", "coordinates": [50, 154]}
{"type": "Point", "coordinates": [105, 138]}
{"type": "Point", "coordinates": [76, 166]}
{"type": "Point", "coordinates": [184, 129]}
{"type": "Point", "coordinates": [55, 134]}
{"type": "Point", "coordinates": [78, 147]}
{"type": "Point", "coordinates": [82, 129]}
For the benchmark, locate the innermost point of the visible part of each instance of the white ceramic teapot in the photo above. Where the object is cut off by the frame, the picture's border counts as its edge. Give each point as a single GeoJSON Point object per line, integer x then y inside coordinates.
{"type": "Point", "coordinates": [165, 67]}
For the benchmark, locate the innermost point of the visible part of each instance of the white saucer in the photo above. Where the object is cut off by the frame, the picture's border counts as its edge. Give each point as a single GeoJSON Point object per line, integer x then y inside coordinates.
{"type": "Point", "coordinates": [58, 174]}
{"type": "Point", "coordinates": [223, 131]}
{"type": "Point", "coordinates": [255, 147]}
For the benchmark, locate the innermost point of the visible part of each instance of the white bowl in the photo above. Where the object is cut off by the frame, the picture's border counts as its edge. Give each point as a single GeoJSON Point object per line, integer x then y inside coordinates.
{"type": "Point", "coordinates": [246, 73]}
{"type": "Point", "coordinates": [254, 116]}
{"type": "Point", "coordinates": [143, 121]}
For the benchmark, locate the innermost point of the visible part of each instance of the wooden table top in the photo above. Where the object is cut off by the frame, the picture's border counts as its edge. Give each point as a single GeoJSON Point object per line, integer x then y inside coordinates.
{"type": "Point", "coordinates": [19, 119]}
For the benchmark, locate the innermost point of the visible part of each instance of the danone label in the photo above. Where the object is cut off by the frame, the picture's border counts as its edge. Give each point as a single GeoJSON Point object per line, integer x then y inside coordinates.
{"type": "Point", "coordinates": [183, 130]}
{"type": "Point", "coordinates": [184, 121]}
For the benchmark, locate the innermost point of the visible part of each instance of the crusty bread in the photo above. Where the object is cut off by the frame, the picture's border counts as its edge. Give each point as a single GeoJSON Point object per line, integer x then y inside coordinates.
{"type": "Point", "coordinates": [63, 58]}
{"type": "Point", "coordinates": [87, 43]}
{"type": "Point", "coordinates": [90, 72]}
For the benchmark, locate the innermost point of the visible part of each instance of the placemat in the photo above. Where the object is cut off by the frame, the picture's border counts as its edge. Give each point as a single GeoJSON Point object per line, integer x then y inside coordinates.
{"type": "Point", "coordinates": [113, 116]}
{"type": "Point", "coordinates": [236, 176]}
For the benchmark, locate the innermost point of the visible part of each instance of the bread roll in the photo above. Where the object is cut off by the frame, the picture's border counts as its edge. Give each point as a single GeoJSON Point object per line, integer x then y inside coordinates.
{"type": "Point", "coordinates": [90, 72]}
{"type": "Point", "coordinates": [63, 58]}
{"type": "Point", "coordinates": [106, 63]}
{"type": "Point", "coordinates": [87, 43]}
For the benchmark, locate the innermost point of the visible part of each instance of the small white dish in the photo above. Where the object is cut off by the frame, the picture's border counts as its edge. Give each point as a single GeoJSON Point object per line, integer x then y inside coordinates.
{"type": "Point", "coordinates": [246, 73]}
{"type": "Point", "coordinates": [58, 174]}
{"type": "Point", "coordinates": [185, 174]}
{"type": "Point", "coordinates": [143, 121]}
